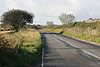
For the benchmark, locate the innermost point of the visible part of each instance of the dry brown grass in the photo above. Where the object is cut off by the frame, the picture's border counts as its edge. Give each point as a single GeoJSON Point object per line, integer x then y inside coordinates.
{"type": "Point", "coordinates": [92, 35]}
{"type": "Point", "coordinates": [19, 49]}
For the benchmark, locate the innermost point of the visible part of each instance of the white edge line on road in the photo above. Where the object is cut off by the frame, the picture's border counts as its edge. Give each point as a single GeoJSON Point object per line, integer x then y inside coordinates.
{"type": "Point", "coordinates": [43, 57]}
{"type": "Point", "coordinates": [81, 49]}
{"type": "Point", "coordinates": [66, 42]}
{"type": "Point", "coordinates": [83, 40]}
{"type": "Point", "coordinates": [91, 54]}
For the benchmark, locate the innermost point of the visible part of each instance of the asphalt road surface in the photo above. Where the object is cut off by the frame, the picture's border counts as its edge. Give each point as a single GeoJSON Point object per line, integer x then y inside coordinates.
{"type": "Point", "coordinates": [61, 51]}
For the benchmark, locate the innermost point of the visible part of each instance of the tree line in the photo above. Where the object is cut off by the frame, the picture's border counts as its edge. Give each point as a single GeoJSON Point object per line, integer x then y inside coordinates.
{"type": "Point", "coordinates": [17, 19]}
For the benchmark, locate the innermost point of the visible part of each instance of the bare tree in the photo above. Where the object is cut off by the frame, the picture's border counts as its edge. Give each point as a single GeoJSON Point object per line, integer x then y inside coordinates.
{"type": "Point", "coordinates": [65, 19]}
{"type": "Point", "coordinates": [49, 23]}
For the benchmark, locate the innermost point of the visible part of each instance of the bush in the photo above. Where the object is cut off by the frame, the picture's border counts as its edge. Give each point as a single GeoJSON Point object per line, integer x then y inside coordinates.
{"type": "Point", "coordinates": [20, 49]}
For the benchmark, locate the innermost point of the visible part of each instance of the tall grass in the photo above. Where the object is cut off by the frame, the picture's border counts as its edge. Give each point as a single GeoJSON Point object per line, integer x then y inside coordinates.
{"type": "Point", "coordinates": [20, 49]}
{"type": "Point", "coordinates": [86, 31]}
{"type": "Point", "coordinates": [52, 30]}
{"type": "Point", "coordinates": [88, 34]}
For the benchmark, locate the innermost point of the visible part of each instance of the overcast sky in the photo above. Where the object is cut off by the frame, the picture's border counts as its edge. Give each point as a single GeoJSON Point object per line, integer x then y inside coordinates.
{"type": "Point", "coordinates": [49, 10]}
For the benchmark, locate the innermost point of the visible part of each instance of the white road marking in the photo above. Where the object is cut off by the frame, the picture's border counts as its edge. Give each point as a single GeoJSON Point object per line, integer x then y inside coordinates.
{"type": "Point", "coordinates": [66, 42]}
{"type": "Point", "coordinates": [81, 49]}
{"type": "Point", "coordinates": [91, 54]}
{"type": "Point", "coordinates": [43, 57]}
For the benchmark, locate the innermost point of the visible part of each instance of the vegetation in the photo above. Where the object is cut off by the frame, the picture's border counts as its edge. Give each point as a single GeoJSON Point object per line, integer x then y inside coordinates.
{"type": "Point", "coordinates": [92, 25]}
{"type": "Point", "coordinates": [16, 19]}
{"type": "Point", "coordinates": [88, 34]}
{"type": "Point", "coordinates": [85, 31]}
{"type": "Point", "coordinates": [21, 45]}
{"type": "Point", "coordinates": [20, 49]}
{"type": "Point", "coordinates": [53, 29]}
{"type": "Point", "coordinates": [65, 19]}
{"type": "Point", "coordinates": [49, 23]}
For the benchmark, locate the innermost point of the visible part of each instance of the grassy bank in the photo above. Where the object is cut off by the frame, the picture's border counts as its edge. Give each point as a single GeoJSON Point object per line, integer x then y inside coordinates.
{"type": "Point", "coordinates": [81, 30]}
{"type": "Point", "coordinates": [21, 49]}
{"type": "Point", "coordinates": [91, 35]}
{"type": "Point", "coordinates": [52, 29]}
{"type": "Point", "coordinates": [85, 31]}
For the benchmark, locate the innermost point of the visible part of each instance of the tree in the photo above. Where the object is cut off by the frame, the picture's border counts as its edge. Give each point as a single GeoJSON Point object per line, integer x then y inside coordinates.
{"type": "Point", "coordinates": [65, 19]}
{"type": "Point", "coordinates": [17, 18]}
{"type": "Point", "coordinates": [49, 23]}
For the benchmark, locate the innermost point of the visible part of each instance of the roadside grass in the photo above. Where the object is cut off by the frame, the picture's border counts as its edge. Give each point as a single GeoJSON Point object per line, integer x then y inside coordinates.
{"type": "Point", "coordinates": [81, 30]}
{"type": "Point", "coordinates": [84, 34]}
{"type": "Point", "coordinates": [52, 30]}
{"type": "Point", "coordinates": [21, 49]}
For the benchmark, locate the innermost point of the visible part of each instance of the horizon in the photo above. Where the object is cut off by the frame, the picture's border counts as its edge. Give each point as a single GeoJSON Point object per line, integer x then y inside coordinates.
{"type": "Point", "coordinates": [50, 10]}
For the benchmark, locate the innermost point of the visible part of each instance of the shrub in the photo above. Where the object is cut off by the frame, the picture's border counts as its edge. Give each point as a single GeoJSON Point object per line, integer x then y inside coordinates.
{"type": "Point", "coordinates": [20, 49]}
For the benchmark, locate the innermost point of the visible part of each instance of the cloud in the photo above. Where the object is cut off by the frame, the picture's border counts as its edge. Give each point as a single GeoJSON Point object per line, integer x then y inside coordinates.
{"type": "Point", "coordinates": [43, 7]}
{"type": "Point", "coordinates": [45, 10]}
{"type": "Point", "coordinates": [89, 9]}
{"type": "Point", "coordinates": [56, 7]}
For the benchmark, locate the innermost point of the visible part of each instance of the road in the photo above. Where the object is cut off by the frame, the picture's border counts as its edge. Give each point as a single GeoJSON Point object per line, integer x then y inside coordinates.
{"type": "Point", "coordinates": [61, 51]}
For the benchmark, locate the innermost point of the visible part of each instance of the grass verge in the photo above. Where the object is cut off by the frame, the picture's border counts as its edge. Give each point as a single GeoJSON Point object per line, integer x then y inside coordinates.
{"type": "Point", "coordinates": [21, 49]}
{"type": "Point", "coordinates": [91, 35]}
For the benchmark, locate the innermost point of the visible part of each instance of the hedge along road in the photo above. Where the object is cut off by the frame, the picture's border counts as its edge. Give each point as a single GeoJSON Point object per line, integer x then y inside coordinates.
{"type": "Point", "coordinates": [58, 51]}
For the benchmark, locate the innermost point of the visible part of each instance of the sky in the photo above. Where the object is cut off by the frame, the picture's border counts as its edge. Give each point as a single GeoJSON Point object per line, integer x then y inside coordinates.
{"type": "Point", "coordinates": [50, 10]}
